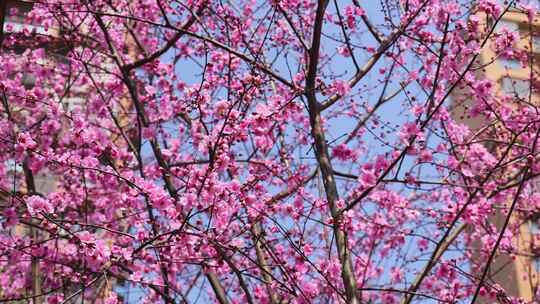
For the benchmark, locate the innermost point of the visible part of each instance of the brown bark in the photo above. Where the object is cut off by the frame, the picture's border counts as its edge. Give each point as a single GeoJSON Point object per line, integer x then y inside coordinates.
{"type": "Point", "coordinates": [323, 158]}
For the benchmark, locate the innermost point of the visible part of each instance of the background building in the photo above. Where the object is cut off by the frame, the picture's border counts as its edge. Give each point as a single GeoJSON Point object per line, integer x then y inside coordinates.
{"type": "Point", "coordinates": [19, 34]}
{"type": "Point", "coordinates": [515, 76]}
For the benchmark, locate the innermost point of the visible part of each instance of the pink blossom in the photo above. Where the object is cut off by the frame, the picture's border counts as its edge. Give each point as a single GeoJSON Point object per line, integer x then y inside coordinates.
{"type": "Point", "coordinates": [397, 275]}
{"type": "Point", "coordinates": [408, 130]}
{"type": "Point", "coordinates": [26, 141]}
{"type": "Point", "coordinates": [245, 147]}
{"type": "Point", "coordinates": [342, 152]}
{"type": "Point", "coordinates": [367, 178]}
{"type": "Point", "coordinates": [341, 87]}
{"type": "Point", "coordinates": [491, 7]}
{"type": "Point", "coordinates": [344, 51]}
{"type": "Point", "coordinates": [37, 204]}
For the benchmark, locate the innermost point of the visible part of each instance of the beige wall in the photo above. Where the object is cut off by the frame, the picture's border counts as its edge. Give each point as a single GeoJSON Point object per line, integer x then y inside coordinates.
{"type": "Point", "coordinates": [516, 274]}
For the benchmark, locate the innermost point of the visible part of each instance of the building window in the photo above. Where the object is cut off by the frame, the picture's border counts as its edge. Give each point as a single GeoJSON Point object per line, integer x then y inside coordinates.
{"type": "Point", "coordinates": [515, 4]}
{"type": "Point", "coordinates": [536, 264]}
{"type": "Point", "coordinates": [73, 102]}
{"type": "Point", "coordinates": [534, 3]}
{"type": "Point", "coordinates": [517, 87]}
{"type": "Point", "coordinates": [510, 64]}
{"type": "Point", "coordinates": [12, 166]}
{"type": "Point", "coordinates": [16, 11]}
{"type": "Point", "coordinates": [534, 225]}
{"type": "Point", "coordinates": [15, 20]}
{"type": "Point", "coordinates": [505, 24]}
{"type": "Point", "coordinates": [28, 80]}
{"type": "Point", "coordinates": [536, 43]}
